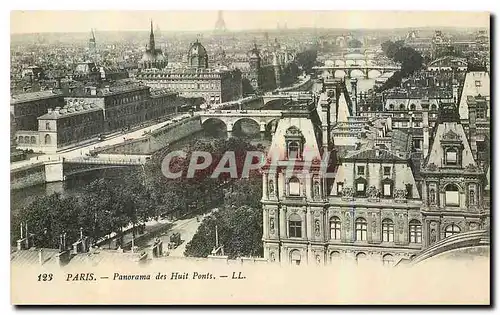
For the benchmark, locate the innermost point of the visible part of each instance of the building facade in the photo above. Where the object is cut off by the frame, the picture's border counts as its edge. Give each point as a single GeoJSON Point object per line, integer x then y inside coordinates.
{"type": "Point", "coordinates": [27, 107]}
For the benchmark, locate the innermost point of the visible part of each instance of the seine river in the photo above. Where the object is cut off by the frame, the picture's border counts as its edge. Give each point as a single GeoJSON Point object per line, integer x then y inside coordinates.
{"type": "Point", "coordinates": [75, 185]}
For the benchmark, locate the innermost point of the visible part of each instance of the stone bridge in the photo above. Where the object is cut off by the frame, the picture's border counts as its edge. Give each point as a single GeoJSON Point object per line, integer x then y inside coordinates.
{"type": "Point", "coordinates": [277, 100]}
{"type": "Point", "coordinates": [263, 118]}
{"type": "Point", "coordinates": [368, 71]}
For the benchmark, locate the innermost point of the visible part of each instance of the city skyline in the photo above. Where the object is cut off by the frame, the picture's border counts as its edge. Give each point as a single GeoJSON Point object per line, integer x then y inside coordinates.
{"type": "Point", "coordinates": [78, 21]}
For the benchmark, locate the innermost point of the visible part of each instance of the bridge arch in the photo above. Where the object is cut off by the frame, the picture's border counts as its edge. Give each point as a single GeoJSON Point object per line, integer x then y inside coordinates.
{"type": "Point", "coordinates": [339, 63]}
{"type": "Point", "coordinates": [356, 73]}
{"type": "Point", "coordinates": [372, 74]}
{"type": "Point", "coordinates": [339, 74]}
{"type": "Point", "coordinates": [254, 122]}
{"type": "Point", "coordinates": [275, 103]}
{"type": "Point", "coordinates": [213, 121]}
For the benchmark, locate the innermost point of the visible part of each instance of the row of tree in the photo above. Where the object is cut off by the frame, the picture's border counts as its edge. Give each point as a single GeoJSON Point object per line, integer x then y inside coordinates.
{"type": "Point", "coordinates": [410, 59]}
{"type": "Point", "coordinates": [107, 206]}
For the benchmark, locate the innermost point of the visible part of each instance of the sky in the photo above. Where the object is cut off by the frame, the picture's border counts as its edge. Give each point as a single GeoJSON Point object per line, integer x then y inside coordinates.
{"type": "Point", "coordinates": [83, 21]}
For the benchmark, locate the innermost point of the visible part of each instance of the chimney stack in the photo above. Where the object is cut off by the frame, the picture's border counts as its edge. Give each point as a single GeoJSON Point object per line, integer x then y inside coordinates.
{"type": "Point", "coordinates": [472, 104]}
{"type": "Point", "coordinates": [425, 125]}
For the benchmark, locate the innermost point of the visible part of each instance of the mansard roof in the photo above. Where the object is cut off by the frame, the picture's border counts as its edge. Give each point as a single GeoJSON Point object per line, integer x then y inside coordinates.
{"type": "Point", "coordinates": [378, 155]}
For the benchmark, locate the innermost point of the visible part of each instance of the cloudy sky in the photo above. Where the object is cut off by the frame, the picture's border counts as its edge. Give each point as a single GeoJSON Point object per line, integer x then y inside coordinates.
{"type": "Point", "coordinates": [82, 21]}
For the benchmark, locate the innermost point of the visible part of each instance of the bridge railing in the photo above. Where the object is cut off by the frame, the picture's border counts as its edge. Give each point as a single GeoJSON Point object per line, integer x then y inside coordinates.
{"type": "Point", "coordinates": [109, 160]}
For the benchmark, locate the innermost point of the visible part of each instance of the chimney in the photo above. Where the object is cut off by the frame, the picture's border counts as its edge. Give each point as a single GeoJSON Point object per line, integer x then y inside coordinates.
{"type": "Point", "coordinates": [472, 104]}
{"type": "Point", "coordinates": [425, 125]}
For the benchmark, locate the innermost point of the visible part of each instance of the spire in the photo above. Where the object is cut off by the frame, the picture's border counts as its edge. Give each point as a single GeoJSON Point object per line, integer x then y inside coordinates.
{"type": "Point", "coordinates": [93, 34]}
{"type": "Point", "coordinates": [152, 39]}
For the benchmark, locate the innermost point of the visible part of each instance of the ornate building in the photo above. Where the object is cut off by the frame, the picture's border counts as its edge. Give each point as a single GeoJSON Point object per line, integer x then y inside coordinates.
{"type": "Point", "coordinates": [365, 202]}
{"type": "Point", "coordinates": [196, 79]}
{"type": "Point", "coordinates": [453, 183]}
{"type": "Point", "coordinates": [153, 57]}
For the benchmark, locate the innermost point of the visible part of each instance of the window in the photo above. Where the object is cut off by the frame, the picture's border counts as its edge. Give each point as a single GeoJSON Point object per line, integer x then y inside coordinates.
{"type": "Point", "coordinates": [361, 228]}
{"type": "Point", "coordinates": [387, 171]}
{"type": "Point", "coordinates": [47, 139]}
{"type": "Point", "coordinates": [340, 186]}
{"type": "Point", "coordinates": [293, 150]}
{"type": "Point", "coordinates": [335, 228]}
{"type": "Point", "coordinates": [294, 186]}
{"type": "Point", "coordinates": [295, 257]}
{"type": "Point", "coordinates": [387, 190]}
{"type": "Point", "coordinates": [360, 257]}
{"type": "Point", "coordinates": [416, 144]}
{"type": "Point", "coordinates": [405, 124]}
{"type": "Point", "coordinates": [402, 107]}
{"type": "Point", "coordinates": [295, 226]}
{"type": "Point", "coordinates": [33, 140]}
{"type": "Point", "coordinates": [47, 125]}
{"type": "Point", "coordinates": [452, 195]}
{"type": "Point", "coordinates": [360, 188]}
{"type": "Point", "coordinates": [415, 232]}
{"type": "Point", "coordinates": [451, 157]}
{"type": "Point", "coordinates": [451, 229]}
{"type": "Point", "coordinates": [388, 260]}
{"type": "Point", "coordinates": [412, 106]}
{"type": "Point", "coordinates": [433, 107]}
{"type": "Point", "coordinates": [21, 139]}
{"type": "Point", "coordinates": [416, 124]}
{"type": "Point", "coordinates": [391, 106]}
{"type": "Point", "coordinates": [478, 83]}
{"type": "Point", "coordinates": [334, 256]}
{"type": "Point", "coordinates": [387, 230]}
{"type": "Point", "coordinates": [361, 170]}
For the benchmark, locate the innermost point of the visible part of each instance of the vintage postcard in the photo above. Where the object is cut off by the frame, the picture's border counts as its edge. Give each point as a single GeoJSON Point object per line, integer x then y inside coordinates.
{"type": "Point", "coordinates": [250, 157]}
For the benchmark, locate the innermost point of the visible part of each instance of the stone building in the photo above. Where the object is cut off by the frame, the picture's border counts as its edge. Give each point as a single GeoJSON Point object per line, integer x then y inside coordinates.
{"type": "Point", "coordinates": [27, 107]}
{"type": "Point", "coordinates": [324, 202]}
{"type": "Point", "coordinates": [153, 57]}
{"type": "Point", "coordinates": [196, 79]}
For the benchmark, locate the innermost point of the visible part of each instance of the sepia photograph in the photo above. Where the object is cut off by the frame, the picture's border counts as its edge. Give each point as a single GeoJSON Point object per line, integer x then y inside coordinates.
{"type": "Point", "coordinates": [250, 157]}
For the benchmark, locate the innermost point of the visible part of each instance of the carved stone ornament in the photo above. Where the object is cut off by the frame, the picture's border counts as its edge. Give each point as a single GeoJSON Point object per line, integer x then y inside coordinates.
{"type": "Point", "coordinates": [347, 193]}
{"type": "Point", "coordinates": [400, 195]}
{"type": "Point", "coordinates": [471, 167]}
{"type": "Point", "coordinates": [374, 226]}
{"type": "Point", "coordinates": [347, 221]}
{"type": "Point", "coordinates": [271, 226]}
{"type": "Point", "coordinates": [473, 226]}
{"type": "Point", "coordinates": [373, 193]}
{"type": "Point", "coordinates": [273, 257]}
{"type": "Point", "coordinates": [317, 228]}
{"type": "Point", "coordinates": [432, 167]}
{"type": "Point", "coordinates": [401, 224]}
{"type": "Point", "coordinates": [271, 187]}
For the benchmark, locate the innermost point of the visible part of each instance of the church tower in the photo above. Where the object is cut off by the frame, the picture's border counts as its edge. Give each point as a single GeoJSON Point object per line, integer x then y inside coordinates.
{"type": "Point", "coordinates": [255, 64]}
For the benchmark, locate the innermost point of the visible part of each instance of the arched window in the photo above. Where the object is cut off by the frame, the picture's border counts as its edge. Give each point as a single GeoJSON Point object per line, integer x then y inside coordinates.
{"type": "Point", "coordinates": [295, 226]}
{"type": "Point", "coordinates": [388, 260]}
{"type": "Point", "coordinates": [47, 125]}
{"type": "Point", "coordinates": [452, 195]}
{"type": "Point", "coordinates": [21, 139]}
{"type": "Point", "coordinates": [391, 106]}
{"type": "Point", "coordinates": [387, 230]}
{"type": "Point", "coordinates": [451, 229]}
{"type": "Point", "coordinates": [415, 231]}
{"type": "Point", "coordinates": [335, 228]}
{"type": "Point", "coordinates": [294, 186]}
{"type": "Point", "coordinates": [360, 257]}
{"type": "Point", "coordinates": [433, 107]}
{"type": "Point", "coordinates": [402, 107]}
{"type": "Point", "coordinates": [361, 228]}
{"type": "Point", "coordinates": [33, 140]}
{"type": "Point", "coordinates": [412, 106]}
{"type": "Point", "coordinates": [295, 257]}
{"type": "Point", "coordinates": [334, 256]}
{"type": "Point", "coordinates": [432, 196]}
{"type": "Point", "coordinates": [26, 139]}
{"type": "Point", "coordinates": [361, 187]}
{"type": "Point", "coordinates": [293, 150]}
{"type": "Point", "coordinates": [48, 140]}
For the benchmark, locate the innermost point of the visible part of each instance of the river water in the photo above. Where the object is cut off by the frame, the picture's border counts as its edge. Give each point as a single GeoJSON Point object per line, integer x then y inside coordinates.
{"type": "Point", "coordinates": [75, 185]}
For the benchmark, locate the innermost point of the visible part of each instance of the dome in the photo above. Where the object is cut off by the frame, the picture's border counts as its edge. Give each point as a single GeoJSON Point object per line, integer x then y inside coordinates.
{"type": "Point", "coordinates": [197, 49]}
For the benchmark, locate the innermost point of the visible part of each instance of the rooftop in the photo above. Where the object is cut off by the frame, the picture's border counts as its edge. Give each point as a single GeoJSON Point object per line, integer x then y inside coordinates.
{"type": "Point", "coordinates": [33, 96]}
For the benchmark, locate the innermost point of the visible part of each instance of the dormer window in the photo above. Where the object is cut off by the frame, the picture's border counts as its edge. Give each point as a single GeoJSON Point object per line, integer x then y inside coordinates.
{"type": "Point", "coordinates": [451, 157]}
{"type": "Point", "coordinates": [361, 170]}
{"type": "Point", "coordinates": [294, 143]}
{"type": "Point", "coordinates": [293, 150]}
{"type": "Point", "coordinates": [340, 187]}
{"type": "Point", "coordinates": [361, 187]}
{"type": "Point", "coordinates": [387, 188]}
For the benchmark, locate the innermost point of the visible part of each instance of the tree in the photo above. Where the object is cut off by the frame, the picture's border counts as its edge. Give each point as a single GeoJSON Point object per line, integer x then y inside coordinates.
{"type": "Point", "coordinates": [307, 59]}
{"type": "Point", "coordinates": [354, 43]}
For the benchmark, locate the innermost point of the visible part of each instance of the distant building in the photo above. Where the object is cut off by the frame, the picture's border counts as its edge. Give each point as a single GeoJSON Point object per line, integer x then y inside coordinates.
{"type": "Point", "coordinates": [153, 57]}
{"type": "Point", "coordinates": [196, 79]}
